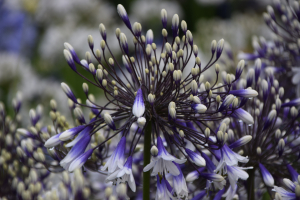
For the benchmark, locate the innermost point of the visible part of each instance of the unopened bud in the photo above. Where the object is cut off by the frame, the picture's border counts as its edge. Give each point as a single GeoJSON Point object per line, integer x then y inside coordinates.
{"type": "Point", "coordinates": [154, 150]}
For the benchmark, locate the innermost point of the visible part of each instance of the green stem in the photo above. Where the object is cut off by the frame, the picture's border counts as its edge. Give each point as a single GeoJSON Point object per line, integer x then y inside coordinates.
{"type": "Point", "coordinates": [147, 156]}
{"type": "Point", "coordinates": [251, 184]}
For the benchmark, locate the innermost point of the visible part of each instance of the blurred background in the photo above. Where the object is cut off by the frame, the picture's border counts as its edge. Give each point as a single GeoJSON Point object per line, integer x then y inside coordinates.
{"type": "Point", "coordinates": [33, 33]}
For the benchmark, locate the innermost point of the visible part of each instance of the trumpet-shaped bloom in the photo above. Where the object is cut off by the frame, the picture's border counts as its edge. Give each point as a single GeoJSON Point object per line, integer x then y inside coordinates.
{"type": "Point", "coordinates": [164, 189]}
{"type": "Point", "coordinates": [229, 158]}
{"type": "Point", "coordinates": [117, 158]}
{"type": "Point", "coordinates": [76, 151]}
{"type": "Point", "coordinates": [235, 173]}
{"type": "Point", "coordinates": [124, 174]}
{"type": "Point", "coordinates": [179, 184]}
{"type": "Point", "coordinates": [163, 162]}
{"type": "Point", "coordinates": [78, 162]}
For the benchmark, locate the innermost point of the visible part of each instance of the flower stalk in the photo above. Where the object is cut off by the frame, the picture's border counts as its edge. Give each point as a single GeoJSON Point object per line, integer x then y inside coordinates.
{"type": "Point", "coordinates": [147, 156]}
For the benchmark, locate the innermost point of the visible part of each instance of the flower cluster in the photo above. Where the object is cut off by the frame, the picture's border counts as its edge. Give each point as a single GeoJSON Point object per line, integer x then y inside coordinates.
{"type": "Point", "coordinates": [164, 129]}
{"type": "Point", "coordinates": [275, 132]}
{"type": "Point", "coordinates": [22, 176]}
{"type": "Point", "coordinates": [281, 54]}
{"type": "Point", "coordinates": [154, 95]}
{"type": "Point", "coordinates": [25, 169]}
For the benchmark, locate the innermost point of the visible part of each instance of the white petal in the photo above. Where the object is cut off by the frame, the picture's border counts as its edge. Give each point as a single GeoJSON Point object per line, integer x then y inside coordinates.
{"type": "Point", "coordinates": [131, 183]}
{"type": "Point", "coordinates": [149, 166]}
{"type": "Point", "coordinates": [171, 167]}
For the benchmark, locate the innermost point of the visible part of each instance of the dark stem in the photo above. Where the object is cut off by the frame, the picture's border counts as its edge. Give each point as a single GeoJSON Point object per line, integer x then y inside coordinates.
{"type": "Point", "coordinates": [250, 184]}
{"type": "Point", "coordinates": [147, 156]}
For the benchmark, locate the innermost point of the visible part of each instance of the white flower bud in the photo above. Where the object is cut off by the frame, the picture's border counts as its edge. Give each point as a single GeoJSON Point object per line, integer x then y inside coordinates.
{"type": "Point", "coordinates": [91, 41]}
{"type": "Point", "coordinates": [141, 122]}
{"type": "Point", "coordinates": [154, 150]}
{"type": "Point", "coordinates": [207, 132]}
{"type": "Point", "coordinates": [183, 26]}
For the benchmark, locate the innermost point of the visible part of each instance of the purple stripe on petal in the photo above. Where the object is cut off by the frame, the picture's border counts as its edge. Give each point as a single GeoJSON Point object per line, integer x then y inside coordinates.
{"type": "Point", "coordinates": [293, 173]}
{"type": "Point", "coordinates": [138, 107]}
{"type": "Point", "coordinates": [78, 162]}
{"type": "Point", "coordinates": [76, 151]}
{"type": "Point", "coordinates": [267, 177]}
{"type": "Point", "coordinates": [200, 195]}
{"type": "Point", "coordinates": [53, 141]}
{"type": "Point", "coordinates": [244, 93]}
{"type": "Point", "coordinates": [243, 115]}
{"type": "Point", "coordinates": [295, 102]}
{"type": "Point", "coordinates": [218, 196]}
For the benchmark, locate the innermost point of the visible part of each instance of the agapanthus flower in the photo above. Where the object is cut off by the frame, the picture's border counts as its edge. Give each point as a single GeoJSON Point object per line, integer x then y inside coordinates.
{"type": "Point", "coordinates": [163, 161]}
{"type": "Point", "coordinates": [124, 174]}
{"type": "Point", "coordinates": [180, 189]}
{"type": "Point", "coordinates": [271, 139]}
{"type": "Point", "coordinates": [163, 189]}
{"type": "Point", "coordinates": [280, 55]}
{"type": "Point", "coordinates": [153, 90]}
{"type": "Point", "coordinates": [291, 189]}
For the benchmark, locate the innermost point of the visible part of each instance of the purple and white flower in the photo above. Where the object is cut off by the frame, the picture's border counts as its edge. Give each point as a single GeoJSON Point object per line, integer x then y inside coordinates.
{"type": "Point", "coordinates": [109, 121]}
{"type": "Point", "coordinates": [70, 133]}
{"type": "Point", "coordinates": [247, 93]}
{"type": "Point", "coordinates": [229, 158]}
{"type": "Point", "coordinates": [53, 141]}
{"type": "Point", "coordinates": [195, 158]}
{"type": "Point", "coordinates": [123, 14]}
{"type": "Point", "coordinates": [163, 162]}
{"type": "Point", "coordinates": [82, 134]}
{"type": "Point", "coordinates": [227, 101]}
{"type": "Point", "coordinates": [68, 92]}
{"type": "Point", "coordinates": [240, 142]}
{"type": "Point", "coordinates": [199, 108]}
{"type": "Point", "coordinates": [235, 173]}
{"type": "Point", "coordinates": [138, 107]}
{"type": "Point", "coordinates": [179, 184]}
{"type": "Point", "coordinates": [229, 194]}
{"type": "Point", "coordinates": [295, 102]}
{"type": "Point", "coordinates": [164, 190]}
{"type": "Point", "coordinates": [149, 37]}
{"type": "Point", "coordinates": [116, 160]}
{"type": "Point", "coordinates": [267, 177]}
{"type": "Point", "coordinates": [292, 192]}
{"type": "Point", "coordinates": [76, 151]}
{"type": "Point", "coordinates": [190, 177]}
{"type": "Point", "coordinates": [214, 180]}
{"type": "Point", "coordinates": [124, 174]}
{"type": "Point", "coordinates": [243, 115]}
{"type": "Point", "coordinates": [78, 162]}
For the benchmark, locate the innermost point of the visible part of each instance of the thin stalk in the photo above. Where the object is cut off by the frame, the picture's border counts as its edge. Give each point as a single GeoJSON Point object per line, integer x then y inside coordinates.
{"type": "Point", "coordinates": [250, 184]}
{"type": "Point", "coordinates": [147, 156]}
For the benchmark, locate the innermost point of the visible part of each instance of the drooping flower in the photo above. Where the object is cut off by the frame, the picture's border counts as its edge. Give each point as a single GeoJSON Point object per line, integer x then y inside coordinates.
{"type": "Point", "coordinates": [235, 173]}
{"type": "Point", "coordinates": [124, 174]}
{"type": "Point", "coordinates": [164, 189]}
{"type": "Point", "coordinates": [229, 158]}
{"type": "Point", "coordinates": [163, 162]}
{"type": "Point", "coordinates": [116, 160]}
{"type": "Point", "coordinates": [77, 150]}
{"type": "Point", "coordinates": [179, 185]}
{"type": "Point", "coordinates": [80, 160]}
